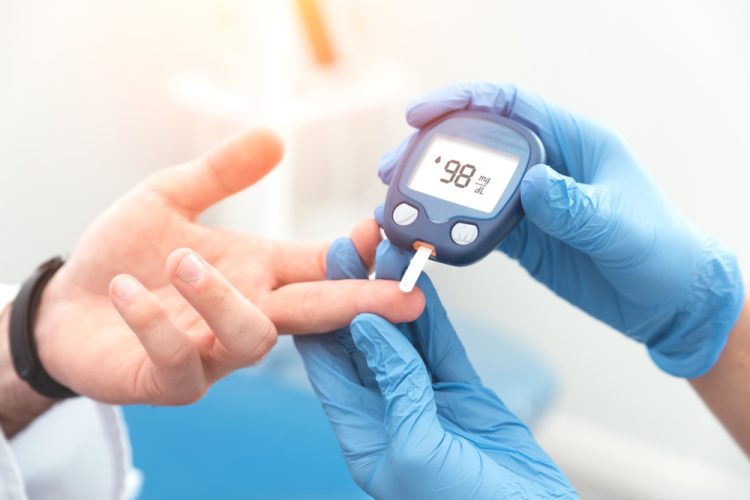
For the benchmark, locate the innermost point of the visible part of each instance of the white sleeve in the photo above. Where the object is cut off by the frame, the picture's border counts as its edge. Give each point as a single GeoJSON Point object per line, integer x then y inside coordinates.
{"type": "Point", "coordinates": [78, 449]}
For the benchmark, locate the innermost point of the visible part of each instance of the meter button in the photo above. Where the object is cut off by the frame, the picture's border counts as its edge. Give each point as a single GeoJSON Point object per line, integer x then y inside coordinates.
{"type": "Point", "coordinates": [464, 234]}
{"type": "Point", "coordinates": [404, 214]}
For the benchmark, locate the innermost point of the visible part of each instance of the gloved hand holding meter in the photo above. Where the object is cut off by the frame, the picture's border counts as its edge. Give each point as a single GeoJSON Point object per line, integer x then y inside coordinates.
{"type": "Point", "coordinates": [596, 230]}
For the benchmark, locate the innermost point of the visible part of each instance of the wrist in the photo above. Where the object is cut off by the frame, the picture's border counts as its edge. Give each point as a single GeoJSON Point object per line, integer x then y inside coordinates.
{"type": "Point", "coordinates": [700, 329]}
{"type": "Point", "coordinates": [19, 403]}
{"type": "Point", "coordinates": [46, 325]}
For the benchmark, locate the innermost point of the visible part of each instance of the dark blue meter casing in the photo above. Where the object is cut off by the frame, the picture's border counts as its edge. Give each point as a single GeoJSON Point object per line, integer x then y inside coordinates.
{"type": "Point", "coordinates": [457, 186]}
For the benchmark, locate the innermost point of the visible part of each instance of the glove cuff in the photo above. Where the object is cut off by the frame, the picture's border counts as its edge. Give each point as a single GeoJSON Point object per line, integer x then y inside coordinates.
{"type": "Point", "coordinates": [699, 330]}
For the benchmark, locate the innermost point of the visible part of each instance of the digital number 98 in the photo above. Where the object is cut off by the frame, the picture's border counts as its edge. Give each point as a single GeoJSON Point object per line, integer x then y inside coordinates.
{"type": "Point", "coordinates": [460, 175]}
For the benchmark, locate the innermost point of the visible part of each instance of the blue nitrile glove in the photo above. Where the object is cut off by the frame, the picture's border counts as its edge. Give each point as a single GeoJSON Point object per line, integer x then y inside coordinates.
{"type": "Point", "coordinates": [600, 234]}
{"type": "Point", "coordinates": [412, 417]}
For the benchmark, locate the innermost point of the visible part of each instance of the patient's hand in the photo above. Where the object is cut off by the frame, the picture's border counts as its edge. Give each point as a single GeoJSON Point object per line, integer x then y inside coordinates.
{"type": "Point", "coordinates": [154, 307]}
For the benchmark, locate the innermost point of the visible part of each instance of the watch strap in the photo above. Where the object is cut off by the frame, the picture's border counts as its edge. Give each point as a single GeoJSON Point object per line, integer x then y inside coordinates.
{"type": "Point", "coordinates": [22, 343]}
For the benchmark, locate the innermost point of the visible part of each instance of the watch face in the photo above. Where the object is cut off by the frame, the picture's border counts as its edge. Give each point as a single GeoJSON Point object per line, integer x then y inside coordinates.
{"type": "Point", "coordinates": [463, 172]}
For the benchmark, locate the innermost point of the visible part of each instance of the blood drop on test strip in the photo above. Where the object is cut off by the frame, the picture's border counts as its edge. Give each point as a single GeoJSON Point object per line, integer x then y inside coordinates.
{"type": "Point", "coordinates": [415, 268]}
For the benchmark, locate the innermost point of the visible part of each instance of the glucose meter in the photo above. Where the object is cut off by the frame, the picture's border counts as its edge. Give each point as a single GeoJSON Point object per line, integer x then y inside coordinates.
{"type": "Point", "coordinates": [455, 194]}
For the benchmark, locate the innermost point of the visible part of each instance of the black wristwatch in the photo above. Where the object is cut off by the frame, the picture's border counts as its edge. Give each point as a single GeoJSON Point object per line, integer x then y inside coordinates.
{"type": "Point", "coordinates": [21, 332]}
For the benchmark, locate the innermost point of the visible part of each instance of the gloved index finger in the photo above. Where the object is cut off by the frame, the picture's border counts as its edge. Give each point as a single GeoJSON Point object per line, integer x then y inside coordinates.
{"type": "Point", "coordinates": [424, 109]}
{"type": "Point", "coordinates": [500, 99]}
{"type": "Point", "coordinates": [552, 124]}
{"type": "Point", "coordinates": [390, 159]}
{"type": "Point", "coordinates": [481, 96]}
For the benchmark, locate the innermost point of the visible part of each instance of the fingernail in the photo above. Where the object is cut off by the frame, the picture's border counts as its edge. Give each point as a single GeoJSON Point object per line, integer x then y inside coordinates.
{"type": "Point", "coordinates": [125, 287]}
{"type": "Point", "coordinates": [190, 269]}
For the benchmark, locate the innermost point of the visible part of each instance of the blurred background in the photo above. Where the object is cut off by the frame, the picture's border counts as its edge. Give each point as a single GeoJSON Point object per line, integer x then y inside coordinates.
{"type": "Point", "coordinates": [95, 95]}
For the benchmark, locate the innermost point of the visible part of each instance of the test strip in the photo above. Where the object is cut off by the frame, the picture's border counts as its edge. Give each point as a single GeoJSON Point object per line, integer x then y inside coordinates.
{"type": "Point", "coordinates": [415, 268]}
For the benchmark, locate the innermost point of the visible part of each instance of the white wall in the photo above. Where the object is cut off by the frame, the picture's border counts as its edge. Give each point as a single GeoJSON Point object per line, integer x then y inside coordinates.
{"type": "Point", "coordinates": [85, 112]}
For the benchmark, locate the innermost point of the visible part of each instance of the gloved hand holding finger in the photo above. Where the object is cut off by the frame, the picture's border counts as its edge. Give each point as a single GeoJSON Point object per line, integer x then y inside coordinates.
{"type": "Point", "coordinates": [408, 409]}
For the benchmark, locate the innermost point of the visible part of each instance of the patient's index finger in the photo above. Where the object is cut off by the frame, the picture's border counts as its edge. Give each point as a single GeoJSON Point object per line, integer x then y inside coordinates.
{"type": "Point", "coordinates": [324, 306]}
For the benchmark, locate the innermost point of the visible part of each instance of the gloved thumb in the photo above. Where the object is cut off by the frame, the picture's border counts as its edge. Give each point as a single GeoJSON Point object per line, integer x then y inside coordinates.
{"type": "Point", "coordinates": [575, 213]}
{"type": "Point", "coordinates": [410, 409]}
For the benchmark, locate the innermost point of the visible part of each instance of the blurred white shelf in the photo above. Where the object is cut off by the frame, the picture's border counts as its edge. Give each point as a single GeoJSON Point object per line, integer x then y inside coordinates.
{"type": "Point", "coordinates": [334, 120]}
{"type": "Point", "coordinates": [327, 94]}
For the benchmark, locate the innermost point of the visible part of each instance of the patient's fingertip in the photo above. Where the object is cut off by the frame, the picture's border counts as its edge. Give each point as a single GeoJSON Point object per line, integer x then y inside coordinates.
{"type": "Point", "coordinates": [261, 148]}
{"type": "Point", "coordinates": [272, 141]}
{"type": "Point", "coordinates": [414, 304]}
{"type": "Point", "coordinates": [397, 306]}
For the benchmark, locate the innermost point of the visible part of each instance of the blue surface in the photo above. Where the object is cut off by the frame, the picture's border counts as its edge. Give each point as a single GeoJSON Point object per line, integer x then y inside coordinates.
{"type": "Point", "coordinates": [249, 437]}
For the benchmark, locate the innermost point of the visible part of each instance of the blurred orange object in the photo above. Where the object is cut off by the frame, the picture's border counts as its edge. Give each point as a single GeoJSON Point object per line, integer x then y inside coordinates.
{"type": "Point", "coordinates": [317, 33]}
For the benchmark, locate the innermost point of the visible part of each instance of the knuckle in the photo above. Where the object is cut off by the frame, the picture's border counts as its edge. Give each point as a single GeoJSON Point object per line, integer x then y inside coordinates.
{"type": "Point", "coordinates": [265, 340]}
{"type": "Point", "coordinates": [194, 393]}
{"type": "Point", "coordinates": [145, 316]}
{"type": "Point", "coordinates": [186, 396]}
{"type": "Point", "coordinates": [251, 339]}
{"type": "Point", "coordinates": [179, 358]}
{"type": "Point", "coordinates": [213, 292]}
{"type": "Point", "coordinates": [268, 338]}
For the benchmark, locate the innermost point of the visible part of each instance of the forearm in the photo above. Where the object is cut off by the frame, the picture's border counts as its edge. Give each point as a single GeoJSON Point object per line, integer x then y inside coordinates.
{"type": "Point", "coordinates": [19, 403]}
{"type": "Point", "coordinates": [726, 387]}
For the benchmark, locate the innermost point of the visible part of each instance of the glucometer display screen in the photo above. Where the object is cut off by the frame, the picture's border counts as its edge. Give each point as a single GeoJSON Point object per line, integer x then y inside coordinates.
{"type": "Point", "coordinates": [463, 172]}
